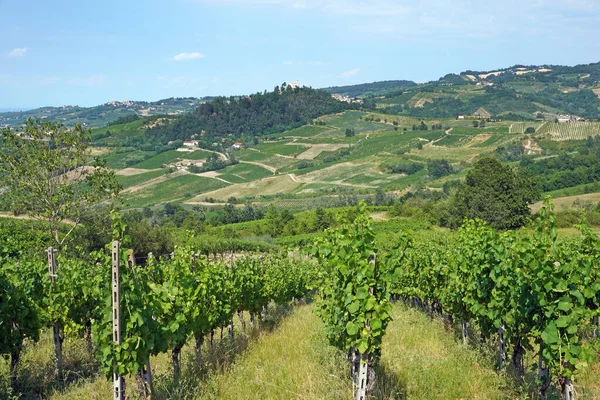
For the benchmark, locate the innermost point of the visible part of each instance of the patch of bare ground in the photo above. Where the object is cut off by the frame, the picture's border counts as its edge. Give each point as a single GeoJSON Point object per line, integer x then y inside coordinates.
{"type": "Point", "coordinates": [133, 171]}
{"type": "Point", "coordinates": [531, 147]}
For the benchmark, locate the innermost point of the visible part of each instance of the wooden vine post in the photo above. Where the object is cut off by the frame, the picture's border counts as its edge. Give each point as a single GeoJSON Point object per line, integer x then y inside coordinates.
{"type": "Point", "coordinates": [118, 383]}
{"type": "Point", "coordinates": [56, 328]}
{"type": "Point", "coordinates": [365, 380]}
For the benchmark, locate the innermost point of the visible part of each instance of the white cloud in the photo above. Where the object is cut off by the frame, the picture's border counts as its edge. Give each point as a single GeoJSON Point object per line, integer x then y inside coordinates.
{"type": "Point", "coordinates": [90, 81]}
{"type": "Point", "coordinates": [350, 74]}
{"type": "Point", "coordinates": [18, 52]}
{"type": "Point", "coordinates": [188, 56]}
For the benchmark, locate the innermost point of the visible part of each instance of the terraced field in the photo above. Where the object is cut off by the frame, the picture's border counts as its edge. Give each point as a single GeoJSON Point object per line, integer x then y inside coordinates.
{"type": "Point", "coordinates": [310, 159]}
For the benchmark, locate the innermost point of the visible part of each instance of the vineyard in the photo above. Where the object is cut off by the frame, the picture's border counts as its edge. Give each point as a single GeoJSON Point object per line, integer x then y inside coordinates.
{"type": "Point", "coordinates": [521, 127]}
{"type": "Point", "coordinates": [579, 130]}
{"type": "Point", "coordinates": [529, 294]}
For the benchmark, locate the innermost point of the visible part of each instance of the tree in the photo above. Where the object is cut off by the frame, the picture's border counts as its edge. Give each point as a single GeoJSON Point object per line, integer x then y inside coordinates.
{"type": "Point", "coordinates": [496, 193]}
{"type": "Point", "coordinates": [439, 168]}
{"type": "Point", "coordinates": [475, 124]}
{"type": "Point", "coordinates": [350, 132]}
{"type": "Point", "coordinates": [379, 197]}
{"type": "Point", "coordinates": [48, 175]}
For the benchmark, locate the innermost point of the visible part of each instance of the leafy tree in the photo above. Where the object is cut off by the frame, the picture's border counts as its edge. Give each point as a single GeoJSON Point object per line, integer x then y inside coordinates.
{"type": "Point", "coordinates": [497, 194]}
{"type": "Point", "coordinates": [439, 168]}
{"type": "Point", "coordinates": [530, 129]}
{"type": "Point", "coordinates": [48, 174]}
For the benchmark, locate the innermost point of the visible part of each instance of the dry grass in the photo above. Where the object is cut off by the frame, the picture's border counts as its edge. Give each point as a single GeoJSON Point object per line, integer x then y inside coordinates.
{"type": "Point", "coordinates": [316, 149]}
{"type": "Point", "coordinates": [278, 184]}
{"type": "Point", "coordinates": [562, 203]}
{"type": "Point", "coordinates": [132, 171]}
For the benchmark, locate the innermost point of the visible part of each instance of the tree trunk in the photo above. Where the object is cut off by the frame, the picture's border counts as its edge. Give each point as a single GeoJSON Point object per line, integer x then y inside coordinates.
{"type": "Point", "coordinates": [567, 391]}
{"type": "Point", "coordinates": [230, 328]}
{"type": "Point", "coordinates": [212, 337]}
{"type": "Point", "coordinates": [517, 358]}
{"type": "Point", "coordinates": [141, 386]}
{"type": "Point", "coordinates": [176, 367]}
{"type": "Point", "coordinates": [88, 338]}
{"type": "Point", "coordinates": [221, 333]}
{"type": "Point", "coordinates": [199, 339]}
{"type": "Point", "coordinates": [371, 379]}
{"type": "Point", "coordinates": [251, 320]}
{"type": "Point", "coordinates": [15, 356]}
{"type": "Point", "coordinates": [147, 374]}
{"type": "Point", "coordinates": [242, 322]}
{"type": "Point", "coordinates": [465, 333]}
{"type": "Point", "coordinates": [543, 376]}
{"type": "Point", "coordinates": [501, 349]}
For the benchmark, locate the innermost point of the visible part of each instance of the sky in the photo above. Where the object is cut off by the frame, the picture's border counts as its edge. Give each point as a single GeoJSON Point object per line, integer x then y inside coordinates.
{"type": "Point", "coordinates": [66, 52]}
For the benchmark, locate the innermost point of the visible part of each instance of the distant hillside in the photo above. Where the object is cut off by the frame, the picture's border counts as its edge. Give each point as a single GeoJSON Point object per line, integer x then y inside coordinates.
{"type": "Point", "coordinates": [372, 89]}
{"type": "Point", "coordinates": [248, 116]}
{"type": "Point", "coordinates": [101, 115]}
{"type": "Point", "coordinates": [519, 92]}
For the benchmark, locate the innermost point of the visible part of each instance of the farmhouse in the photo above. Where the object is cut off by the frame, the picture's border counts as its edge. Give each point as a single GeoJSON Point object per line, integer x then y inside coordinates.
{"type": "Point", "coordinates": [294, 85]}
{"type": "Point", "coordinates": [191, 143]}
{"type": "Point", "coordinates": [237, 145]}
{"type": "Point", "coordinates": [564, 118]}
{"type": "Point", "coordinates": [184, 164]}
{"type": "Point", "coordinates": [461, 117]}
{"type": "Point", "coordinates": [339, 97]}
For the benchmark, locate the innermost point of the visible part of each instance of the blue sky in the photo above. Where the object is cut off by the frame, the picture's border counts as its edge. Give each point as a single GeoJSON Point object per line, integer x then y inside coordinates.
{"type": "Point", "coordinates": [90, 52]}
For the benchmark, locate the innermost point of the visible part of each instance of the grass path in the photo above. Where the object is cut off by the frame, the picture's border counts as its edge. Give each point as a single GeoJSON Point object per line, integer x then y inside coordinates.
{"type": "Point", "coordinates": [421, 360]}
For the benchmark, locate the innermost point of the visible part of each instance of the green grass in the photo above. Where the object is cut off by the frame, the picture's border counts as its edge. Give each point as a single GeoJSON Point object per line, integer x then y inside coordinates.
{"type": "Point", "coordinates": [494, 139]}
{"type": "Point", "coordinates": [250, 155]}
{"type": "Point", "coordinates": [351, 119]}
{"type": "Point", "coordinates": [240, 173]}
{"type": "Point", "coordinates": [133, 180]}
{"type": "Point", "coordinates": [279, 148]}
{"type": "Point", "coordinates": [290, 358]}
{"type": "Point", "coordinates": [170, 156]}
{"type": "Point", "coordinates": [119, 134]}
{"type": "Point", "coordinates": [306, 131]}
{"type": "Point", "coordinates": [178, 188]}
{"type": "Point", "coordinates": [128, 158]}
{"type": "Point", "coordinates": [453, 140]}
{"type": "Point", "coordinates": [295, 361]}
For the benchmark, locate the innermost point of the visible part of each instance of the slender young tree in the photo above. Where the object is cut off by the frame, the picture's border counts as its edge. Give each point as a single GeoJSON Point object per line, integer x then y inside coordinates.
{"type": "Point", "coordinates": [49, 174]}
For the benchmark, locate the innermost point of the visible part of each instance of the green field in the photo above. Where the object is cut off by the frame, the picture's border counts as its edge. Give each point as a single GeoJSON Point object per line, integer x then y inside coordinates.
{"type": "Point", "coordinates": [240, 173]}
{"type": "Point", "coordinates": [178, 188]}
{"type": "Point", "coordinates": [279, 148]}
{"type": "Point", "coordinates": [126, 159]}
{"type": "Point", "coordinates": [133, 180]}
{"type": "Point", "coordinates": [306, 131]}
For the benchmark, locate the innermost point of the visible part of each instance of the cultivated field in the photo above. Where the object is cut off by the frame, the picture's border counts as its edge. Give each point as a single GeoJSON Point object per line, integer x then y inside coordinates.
{"type": "Point", "coordinates": [579, 130]}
